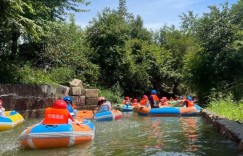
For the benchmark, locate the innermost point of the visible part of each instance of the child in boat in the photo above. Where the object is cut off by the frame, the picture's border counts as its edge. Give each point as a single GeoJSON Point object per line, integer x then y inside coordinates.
{"type": "Point", "coordinates": [103, 105]}
{"type": "Point", "coordinates": [164, 101]}
{"type": "Point", "coordinates": [144, 102]}
{"type": "Point", "coordinates": [70, 106]}
{"type": "Point", "coordinates": [2, 110]}
{"type": "Point", "coordinates": [135, 103]}
{"type": "Point", "coordinates": [58, 114]}
{"type": "Point", "coordinates": [126, 100]}
{"type": "Point", "coordinates": [188, 102]}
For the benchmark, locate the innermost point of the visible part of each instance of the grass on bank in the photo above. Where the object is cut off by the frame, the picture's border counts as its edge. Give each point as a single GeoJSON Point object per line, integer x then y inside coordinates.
{"type": "Point", "coordinates": [227, 108]}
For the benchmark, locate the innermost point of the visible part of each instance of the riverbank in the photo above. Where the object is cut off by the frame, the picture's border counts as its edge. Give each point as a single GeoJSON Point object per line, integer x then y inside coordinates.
{"type": "Point", "coordinates": [230, 129]}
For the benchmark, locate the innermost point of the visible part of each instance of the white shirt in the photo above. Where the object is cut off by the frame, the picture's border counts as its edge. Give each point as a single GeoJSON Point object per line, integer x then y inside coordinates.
{"type": "Point", "coordinates": [2, 110]}
{"type": "Point", "coordinates": [109, 104]}
{"type": "Point", "coordinates": [105, 107]}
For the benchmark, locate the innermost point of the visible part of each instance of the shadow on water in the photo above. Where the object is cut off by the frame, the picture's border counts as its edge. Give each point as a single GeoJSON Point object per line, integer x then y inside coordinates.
{"type": "Point", "coordinates": [135, 135]}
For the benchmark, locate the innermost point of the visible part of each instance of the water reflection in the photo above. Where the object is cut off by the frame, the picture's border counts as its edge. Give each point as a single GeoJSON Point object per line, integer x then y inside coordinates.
{"type": "Point", "coordinates": [156, 134]}
{"type": "Point", "coordinates": [189, 127]}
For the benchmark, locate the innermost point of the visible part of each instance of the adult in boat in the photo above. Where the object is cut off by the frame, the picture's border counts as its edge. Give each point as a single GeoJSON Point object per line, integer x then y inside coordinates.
{"type": "Point", "coordinates": [103, 105]}
{"type": "Point", "coordinates": [153, 99]}
{"type": "Point", "coordinates": [188, 102]}
{"type": "Point", "coordinates": [2, 109]}
{"type": "Point", "coordinates": [70, 106]}
{"type": "Point", "coordinates": [58, 114]}
{"type": "Point", "coordinates": [144, 102]}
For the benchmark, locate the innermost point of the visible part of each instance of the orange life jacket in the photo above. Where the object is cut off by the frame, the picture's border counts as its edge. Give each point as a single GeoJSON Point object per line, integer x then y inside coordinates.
{"type": "Point", "coordinates": [155, 97]}
{"type": "Point", "coordinates": [189, 103]}
{"type": "Point", "coordinates": [55, 116]}
{"type": "Point", "coordinates": [135, 104]}
{"type": "Point", "coordinates": [143, 102]}
{"type": "Point", "coordinates": [126, 101]}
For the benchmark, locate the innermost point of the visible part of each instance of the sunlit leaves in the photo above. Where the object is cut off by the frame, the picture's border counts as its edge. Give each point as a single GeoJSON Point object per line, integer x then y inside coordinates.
{"type": "Point", "coordinates": [216, 64]}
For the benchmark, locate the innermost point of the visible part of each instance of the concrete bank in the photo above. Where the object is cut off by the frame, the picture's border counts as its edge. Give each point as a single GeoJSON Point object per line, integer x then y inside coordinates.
{"type": "Point", "coordinates": [230, 129]}
{"type": "Point", "coordinates": [31, 100]}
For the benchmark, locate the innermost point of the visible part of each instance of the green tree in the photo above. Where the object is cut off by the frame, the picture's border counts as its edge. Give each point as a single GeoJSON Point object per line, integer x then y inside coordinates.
{"type": "Point", "coordinates": [218, 63]}
{"type": "Point", "coordinates": [29, 19]}
{"type": "Point", "coordinates": [107, 35]}
{"type": "Point", "coordinates": [138, 31]}
{"type": "Point", "coordinates": [176, 44]}
{"type": "Point", "coordinates": [237, 13]}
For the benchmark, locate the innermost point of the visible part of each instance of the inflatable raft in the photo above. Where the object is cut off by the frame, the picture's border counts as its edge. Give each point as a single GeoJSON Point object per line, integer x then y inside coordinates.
{"type": "Point", "coordinates": [100, 116]}
{"type": "Point", "coordinates": [42, 136]}
{"type": "Point", "coordinates": [169, 111]}
{"type": "Point", "coordinates": [124, 108]}
{"type": "Point", "coordinates": [11, 120]}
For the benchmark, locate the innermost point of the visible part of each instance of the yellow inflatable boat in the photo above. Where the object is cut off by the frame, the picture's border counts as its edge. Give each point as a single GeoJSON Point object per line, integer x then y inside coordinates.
{"type": "Point", "coordinates": [11, 120]}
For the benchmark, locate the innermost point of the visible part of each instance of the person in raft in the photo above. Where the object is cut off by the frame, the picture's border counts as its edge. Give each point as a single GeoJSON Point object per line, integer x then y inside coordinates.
{"type": "Point", "coordinates": [188, 102]}
{"type": "Point", "coordinates": [70, 106]}
{"type": "Point", "coordinates": [2, 110]}
{"type": "Point", "coordinates": [126, 100]}
{"type": "Point", "coordinates": [144, 102]}
{"type": "Point", "coordinates": [58, 114]}
{"type": "Point", "coordinates": [103, 105]}
{"type": "Point", "coordinates": [164, 101]}
{"type": "Point", "coordinates": [135, 103]}
{"type": "Point", "coordinates": [153, 99]}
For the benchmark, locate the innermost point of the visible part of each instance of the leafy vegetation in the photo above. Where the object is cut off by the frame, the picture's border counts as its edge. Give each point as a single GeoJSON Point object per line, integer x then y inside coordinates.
{"type": "Point", "coordinates": [112, 94]}
{"type": "Point", "coordinates": [117, 52]}
{"type": "Point", "coordinates": [226, 107]}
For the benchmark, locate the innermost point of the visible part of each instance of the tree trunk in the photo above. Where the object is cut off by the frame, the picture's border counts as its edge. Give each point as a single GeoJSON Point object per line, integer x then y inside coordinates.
{"type": "Point", "coordinates": [14, 47]}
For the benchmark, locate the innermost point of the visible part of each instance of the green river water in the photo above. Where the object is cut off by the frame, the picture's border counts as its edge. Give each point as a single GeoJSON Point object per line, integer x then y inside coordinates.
{"type": "Point", "coordinates": [135, 135]}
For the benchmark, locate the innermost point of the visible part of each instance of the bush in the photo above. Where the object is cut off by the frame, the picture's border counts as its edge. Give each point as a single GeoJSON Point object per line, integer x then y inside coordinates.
{"type": "Point", "coordinates": [59, 75]}
{"type": "Point", "coordinates": [226, 107]}
{"type": "Point", "coordinates": [30, 75]}
{"type": "Point", "coordinates": [113, 94]}
{"type": "Point", "coordinates": [62, 75]}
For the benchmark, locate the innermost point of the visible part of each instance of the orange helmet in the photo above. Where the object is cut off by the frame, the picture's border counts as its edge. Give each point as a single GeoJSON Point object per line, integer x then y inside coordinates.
{"type": "Point", "coordinates": [101, 99]}
{"type": "Point", "coordinates": [126, 98]}
{"type": "Point", "coordinates": [135, 100]}
{"type": "Point", "coordinates": [145, 97]}
{"type": "Point", "coordinates": [60, 104]}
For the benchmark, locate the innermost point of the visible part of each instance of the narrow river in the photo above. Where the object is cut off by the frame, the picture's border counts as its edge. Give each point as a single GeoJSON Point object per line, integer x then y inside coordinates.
{"type": "Point", "coordinates": [135, 135]}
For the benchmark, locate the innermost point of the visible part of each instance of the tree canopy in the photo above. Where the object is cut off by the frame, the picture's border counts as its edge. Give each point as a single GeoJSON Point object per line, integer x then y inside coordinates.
{"type": "Point", "coordinates": [115, 50]}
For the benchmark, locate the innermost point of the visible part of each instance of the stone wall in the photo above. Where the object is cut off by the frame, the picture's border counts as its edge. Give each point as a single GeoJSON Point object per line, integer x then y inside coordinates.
{"type": "Point", "coordinates": [31, 100]}
{"type": "Point", "coordinates": [230, 129]}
